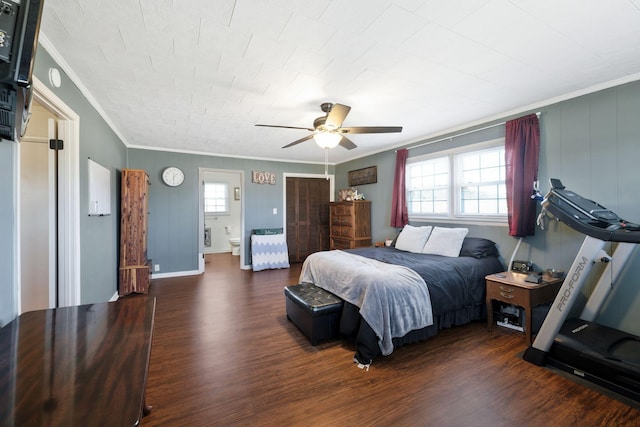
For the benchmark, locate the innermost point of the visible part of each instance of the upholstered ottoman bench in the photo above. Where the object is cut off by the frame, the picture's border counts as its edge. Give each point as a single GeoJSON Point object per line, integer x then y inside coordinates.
{"type": "Point", "coordinates": [314, 311]}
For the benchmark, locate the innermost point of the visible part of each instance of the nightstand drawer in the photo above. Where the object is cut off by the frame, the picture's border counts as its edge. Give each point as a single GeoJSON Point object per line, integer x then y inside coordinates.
{"type": "Point", "coordinates": [506, 293]}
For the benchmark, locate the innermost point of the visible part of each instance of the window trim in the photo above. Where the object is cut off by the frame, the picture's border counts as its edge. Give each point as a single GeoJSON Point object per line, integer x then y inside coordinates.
{"type": "Point", "coordinates": [454, 215]}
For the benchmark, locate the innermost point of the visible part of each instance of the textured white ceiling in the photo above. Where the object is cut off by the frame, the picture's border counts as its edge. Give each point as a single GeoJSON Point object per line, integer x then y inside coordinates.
{"type": "Point", "coordinates": [197, 75]}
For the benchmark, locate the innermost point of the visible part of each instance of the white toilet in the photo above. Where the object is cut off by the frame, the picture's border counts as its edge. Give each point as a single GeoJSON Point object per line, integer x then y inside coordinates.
{"type": "Point", "coordinates": [235, 246]}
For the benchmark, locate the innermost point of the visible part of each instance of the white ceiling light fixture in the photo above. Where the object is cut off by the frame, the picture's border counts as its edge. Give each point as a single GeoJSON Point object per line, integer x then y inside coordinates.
{"type": "Point", "coordinates": [327, 139]}
{"type": "Point", "coordinates": [328, 131]}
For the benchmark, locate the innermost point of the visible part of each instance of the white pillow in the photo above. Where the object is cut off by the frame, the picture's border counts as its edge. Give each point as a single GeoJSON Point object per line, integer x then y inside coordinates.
{"type": "Point", "coordinates": [412, 239]}
{"type": "Point", "coordinates": [445, 241]}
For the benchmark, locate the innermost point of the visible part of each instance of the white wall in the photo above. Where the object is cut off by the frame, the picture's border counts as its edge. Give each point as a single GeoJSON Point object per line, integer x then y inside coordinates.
{"type": "Point", "coordinates": [36, 238]}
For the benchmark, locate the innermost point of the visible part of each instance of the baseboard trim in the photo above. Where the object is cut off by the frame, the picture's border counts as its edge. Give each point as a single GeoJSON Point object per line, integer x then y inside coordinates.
{"type": "Point", "coordinates": [175, 274]}
{"type": "Point", "coordinates": [114, 297]}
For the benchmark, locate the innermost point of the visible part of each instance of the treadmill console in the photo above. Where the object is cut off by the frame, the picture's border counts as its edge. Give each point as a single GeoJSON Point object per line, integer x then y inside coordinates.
{"type": "Point", "coordinates": [587, 216]}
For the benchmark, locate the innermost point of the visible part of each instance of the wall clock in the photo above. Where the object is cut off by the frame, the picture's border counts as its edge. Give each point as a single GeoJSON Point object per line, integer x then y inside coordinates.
{"type": "Point", "coordinates": [173, 176]}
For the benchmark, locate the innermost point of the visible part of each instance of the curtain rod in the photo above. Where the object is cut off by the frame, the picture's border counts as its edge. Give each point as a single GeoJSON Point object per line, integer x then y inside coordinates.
{"type": "Point", "coordinates": [461, 134]}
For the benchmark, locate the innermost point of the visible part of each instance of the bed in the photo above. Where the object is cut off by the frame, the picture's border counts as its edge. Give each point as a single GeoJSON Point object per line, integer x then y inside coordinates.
{"type": "Point", "coordinates": [455, 288]}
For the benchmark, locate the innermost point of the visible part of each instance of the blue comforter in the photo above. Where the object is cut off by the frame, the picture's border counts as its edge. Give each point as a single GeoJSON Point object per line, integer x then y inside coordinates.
{"type": "Point", "coordinates": [392, 299]}
{"type": "Point", "coordinates": [453, 282]}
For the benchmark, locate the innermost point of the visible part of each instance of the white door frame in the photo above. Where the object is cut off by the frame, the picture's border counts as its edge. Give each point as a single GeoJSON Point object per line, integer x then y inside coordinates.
{"type": "Point", "coordinates": [68, 200]}
{"type": "Point", "coordinates": [201, 174]}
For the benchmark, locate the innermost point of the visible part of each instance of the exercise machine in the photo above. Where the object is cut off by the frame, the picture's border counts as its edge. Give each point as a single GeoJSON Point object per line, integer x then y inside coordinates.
{"type": "Point", "coordinates": [600, 354]}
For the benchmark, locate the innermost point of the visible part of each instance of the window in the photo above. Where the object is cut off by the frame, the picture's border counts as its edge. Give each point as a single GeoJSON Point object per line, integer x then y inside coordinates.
{"type": "Point", "coordinates": [216, 197]}
{"type": "Point", "coordinates": [428, 187]}
{"type": "Point", "coordinates": [466, 183]}
{"type": "Point", "coordinates": [482, 182]}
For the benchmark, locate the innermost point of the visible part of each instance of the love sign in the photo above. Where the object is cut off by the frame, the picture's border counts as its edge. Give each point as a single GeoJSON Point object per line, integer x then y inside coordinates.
{"type": "Point", "coordinates": [263, 177]}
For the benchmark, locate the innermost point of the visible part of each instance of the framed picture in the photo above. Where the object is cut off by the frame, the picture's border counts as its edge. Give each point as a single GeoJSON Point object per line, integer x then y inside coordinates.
{"type": "Point", "coordinates": [236, 193]}
{"type": "Point", "coordinates": [363, 176]}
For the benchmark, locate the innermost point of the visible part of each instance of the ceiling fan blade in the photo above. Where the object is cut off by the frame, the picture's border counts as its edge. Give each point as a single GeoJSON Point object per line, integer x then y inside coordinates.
{"type": "Point", "coordinates": [337, 115]}
{"type": "Point", "coordinates": [306, 138]}
{"type": "Point", "coordinates": [286, 127]}
{"type": "Point", "coordinates": [347, 143]}
{"type": "Point", "coordinates": [372, 129]}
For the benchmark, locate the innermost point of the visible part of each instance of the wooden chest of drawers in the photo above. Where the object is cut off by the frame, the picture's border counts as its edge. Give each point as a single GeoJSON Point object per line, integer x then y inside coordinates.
{"type": "Point", "coordinates": [350, 224]}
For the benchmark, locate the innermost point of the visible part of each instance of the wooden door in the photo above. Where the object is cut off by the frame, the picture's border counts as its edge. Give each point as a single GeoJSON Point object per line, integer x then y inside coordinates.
{"type": "Point", "coordinates": [307, 217]}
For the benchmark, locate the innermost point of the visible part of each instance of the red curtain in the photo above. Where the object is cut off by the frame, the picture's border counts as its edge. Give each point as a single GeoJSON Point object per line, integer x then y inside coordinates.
{"type": "Point", "coordinates": [522, 145]}
{"type": "Point", "coordinates": [399, 212]}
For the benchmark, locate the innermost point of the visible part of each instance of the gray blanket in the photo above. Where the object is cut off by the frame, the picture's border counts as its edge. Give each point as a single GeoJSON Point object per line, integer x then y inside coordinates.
{"type": "Point", "coordinates": [392, 299]}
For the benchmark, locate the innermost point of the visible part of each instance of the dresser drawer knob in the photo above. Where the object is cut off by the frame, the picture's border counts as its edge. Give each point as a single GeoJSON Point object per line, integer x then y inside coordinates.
{"type": "Point", "coordinates": [502, 288]}
{"type": "Point", "coordinates": [508, 296]}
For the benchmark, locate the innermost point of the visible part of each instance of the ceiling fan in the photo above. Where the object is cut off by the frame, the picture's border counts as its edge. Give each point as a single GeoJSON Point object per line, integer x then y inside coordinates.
{"type": "Point", "coordinates": [328, 131]}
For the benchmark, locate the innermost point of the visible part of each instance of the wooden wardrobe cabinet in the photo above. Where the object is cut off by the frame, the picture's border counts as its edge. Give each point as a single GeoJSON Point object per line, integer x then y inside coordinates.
{"type": "Point", "coordinates": [307, 216]}
{"type": "Point", "coordinates": [350, 224]}
{"type": "Point", "coordinates": [135, 268]}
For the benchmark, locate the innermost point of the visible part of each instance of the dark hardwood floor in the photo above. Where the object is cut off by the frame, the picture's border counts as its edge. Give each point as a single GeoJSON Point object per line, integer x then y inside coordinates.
{"type": "Point", "coordinates": [224, 354]}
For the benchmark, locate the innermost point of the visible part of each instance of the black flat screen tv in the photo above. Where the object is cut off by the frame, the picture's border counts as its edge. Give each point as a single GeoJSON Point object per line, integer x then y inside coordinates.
{"type": "Point", "coordinates": [19, 29]}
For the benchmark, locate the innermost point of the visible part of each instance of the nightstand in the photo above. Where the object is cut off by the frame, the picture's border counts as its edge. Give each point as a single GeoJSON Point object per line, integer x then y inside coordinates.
{"type": "Point", "coordinates": [512, 289]}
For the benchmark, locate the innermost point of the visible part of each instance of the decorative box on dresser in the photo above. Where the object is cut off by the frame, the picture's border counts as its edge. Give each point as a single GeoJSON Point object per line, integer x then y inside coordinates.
{"type": "Point", "coordinates": [350, 224]}
{"type": "Point", "coordinates": [134, 208]}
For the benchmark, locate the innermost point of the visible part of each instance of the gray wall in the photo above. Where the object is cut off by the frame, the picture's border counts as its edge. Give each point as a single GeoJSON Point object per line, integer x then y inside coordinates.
{"type": "Point", "coordinates": [173, 220]}
{"type": "Point", "coordinates": [98, 235]}
{"type": "Point", "coordinates": [7, 229]}
{"type": "Point", "coordinates": [591, 143]}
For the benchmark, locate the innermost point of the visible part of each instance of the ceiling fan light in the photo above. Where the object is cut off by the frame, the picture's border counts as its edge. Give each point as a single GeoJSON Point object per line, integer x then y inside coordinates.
{"type": "Point", "coordinates": [327, 139]}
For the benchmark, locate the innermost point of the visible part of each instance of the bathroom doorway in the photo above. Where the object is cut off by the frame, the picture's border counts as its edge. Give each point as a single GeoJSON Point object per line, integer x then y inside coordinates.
{"type": "Point", "coordinates": [221, 215]}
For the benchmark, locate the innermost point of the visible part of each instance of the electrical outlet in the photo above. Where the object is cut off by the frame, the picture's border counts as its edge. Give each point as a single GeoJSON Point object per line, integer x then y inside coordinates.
{"type": "Point", "coordinates": [275, 211]}
{"type": "Point", "coordinates": [156, 267]}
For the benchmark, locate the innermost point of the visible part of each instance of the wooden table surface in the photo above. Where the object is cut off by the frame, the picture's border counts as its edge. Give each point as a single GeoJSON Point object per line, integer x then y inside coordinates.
{"type": "Point", "coordinates": [72, 366]}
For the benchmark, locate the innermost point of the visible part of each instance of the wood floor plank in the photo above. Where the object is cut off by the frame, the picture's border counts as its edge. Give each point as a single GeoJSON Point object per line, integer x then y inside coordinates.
{"type": "Point", "coordinates": [224, 354]}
